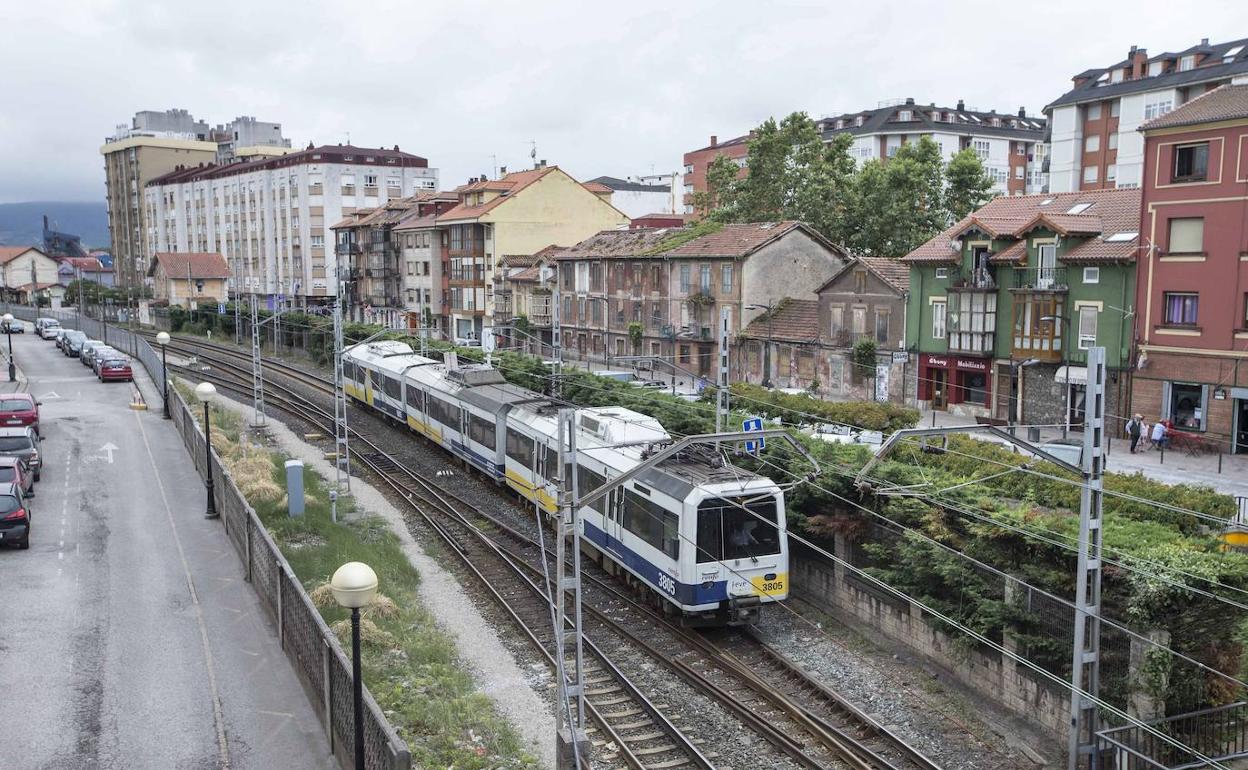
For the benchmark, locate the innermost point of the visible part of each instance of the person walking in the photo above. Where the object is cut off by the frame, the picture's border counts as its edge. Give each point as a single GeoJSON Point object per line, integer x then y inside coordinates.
{"type": "Point", "coordinates": [1135, 426]}
{"type": "Point", "coordinates": [1159, 434]}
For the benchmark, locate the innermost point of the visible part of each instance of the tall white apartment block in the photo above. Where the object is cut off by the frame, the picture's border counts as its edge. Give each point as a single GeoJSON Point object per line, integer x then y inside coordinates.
{"type": "Point", "coordinates": [1011, 146]}
{"type": "Point", "coordinates": [270, 216]}
{"type": "Point", "coordinates": [1095, 142]}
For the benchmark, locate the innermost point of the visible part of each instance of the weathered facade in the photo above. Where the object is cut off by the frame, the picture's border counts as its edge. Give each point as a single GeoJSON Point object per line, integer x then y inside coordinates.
{"type": "Point", "coordinates": [658, 292]}
{"type": "Point", "coordinates": [1005, 304]}
{"type": "Point", "coordinates": [189, 278]}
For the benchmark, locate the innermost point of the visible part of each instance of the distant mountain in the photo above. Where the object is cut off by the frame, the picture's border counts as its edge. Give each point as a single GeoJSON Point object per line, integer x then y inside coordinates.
{"type": "Point", "coordinates": [21, 224]}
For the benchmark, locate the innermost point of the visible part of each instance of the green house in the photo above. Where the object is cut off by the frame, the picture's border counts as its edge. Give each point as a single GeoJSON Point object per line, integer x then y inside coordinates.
{"type": "Point", "coordinates": [1005, 304]}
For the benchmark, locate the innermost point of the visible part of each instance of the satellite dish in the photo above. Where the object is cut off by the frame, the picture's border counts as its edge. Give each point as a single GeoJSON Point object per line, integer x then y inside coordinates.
{"type": "Point", "coordinates": [956, 244]}
{"type": "Point", "coordinates": [487, 339]}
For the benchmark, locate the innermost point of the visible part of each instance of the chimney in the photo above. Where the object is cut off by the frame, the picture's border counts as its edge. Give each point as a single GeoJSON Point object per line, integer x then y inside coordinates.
{"type": "Point", "coordinates": [909, 100]}
{"type": "Point", "coordinates": [1204, 41]}
{"type": "Point", "coordinates": [396, 148]}
{"type": "Point", "coordinates": [961, 105]}
{"type": "Point", "coordinates": [543, 164]}
{"type": "Point", "coordinates": [1022, 112]}
{"type": "Point", "coordinates": [714, 140]}
{"type": "Point", "coordinates": [1139, 62]}
{"type": "Point", "coordinates": [502, 171]}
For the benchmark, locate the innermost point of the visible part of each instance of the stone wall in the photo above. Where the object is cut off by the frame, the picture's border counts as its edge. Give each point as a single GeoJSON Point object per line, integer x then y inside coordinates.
{"type": "Point", "coordinates": [876, 613]}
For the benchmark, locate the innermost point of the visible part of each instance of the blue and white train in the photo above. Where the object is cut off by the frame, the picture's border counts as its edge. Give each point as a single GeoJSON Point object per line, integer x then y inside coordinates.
{"type": "Point", "coordinates": [690, 533]}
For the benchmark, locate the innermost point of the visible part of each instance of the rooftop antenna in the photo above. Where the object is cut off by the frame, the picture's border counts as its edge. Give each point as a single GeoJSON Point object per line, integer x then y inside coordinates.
{"type": "Point", "coordinates": [533, 152]}
{"type": "Point", "coordinates": [495, 159]}
{"type": "Point", "coordinates": [348, 133]}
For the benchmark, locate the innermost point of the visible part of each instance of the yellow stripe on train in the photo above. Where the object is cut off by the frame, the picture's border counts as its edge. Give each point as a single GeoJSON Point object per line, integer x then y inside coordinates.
{"type": "Point", "coordinates": [425, 428]}
{"type": "Point", "coordinates": [538, 494]}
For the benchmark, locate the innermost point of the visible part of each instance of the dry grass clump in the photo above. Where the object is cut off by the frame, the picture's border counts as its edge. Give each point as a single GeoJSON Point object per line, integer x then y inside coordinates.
{"type": "Point", "coordinates": [371, 634]}
{"type": "Point", "coordinates": [381, 608]}
{"type": "Point", "coordinates": [322, 596]}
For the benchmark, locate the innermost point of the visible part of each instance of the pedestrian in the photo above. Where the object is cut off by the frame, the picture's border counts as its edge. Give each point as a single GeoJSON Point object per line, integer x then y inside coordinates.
{"type": "Point", "coordinates": [1135, 427]}
{"type": "Point", "coordinates": [1146, 436]}
{"type": "Point", "coordinates": [1159, 434]}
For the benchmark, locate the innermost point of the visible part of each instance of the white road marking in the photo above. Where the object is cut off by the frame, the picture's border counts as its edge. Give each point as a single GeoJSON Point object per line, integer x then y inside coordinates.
{"type": "Point", "coordinates": [108, 449]}
{"type": "Point", "coordinates": [223, 747]}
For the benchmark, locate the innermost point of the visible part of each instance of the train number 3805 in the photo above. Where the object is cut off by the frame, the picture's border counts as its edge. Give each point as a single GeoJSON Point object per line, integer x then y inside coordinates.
{"type": "Point", "coordinates": [667, 583]}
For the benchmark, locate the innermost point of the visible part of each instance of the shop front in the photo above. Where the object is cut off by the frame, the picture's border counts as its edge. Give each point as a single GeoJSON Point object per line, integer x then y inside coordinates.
{"type": "Point", "coordinates": [959, 384]}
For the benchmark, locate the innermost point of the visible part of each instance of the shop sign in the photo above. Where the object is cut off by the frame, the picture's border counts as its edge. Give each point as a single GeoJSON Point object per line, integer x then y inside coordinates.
{"type": "Point", "coordinates": [900, 357]}
{"type": "Point", "coordinates": [934, 361]}
{"type": "Point", "coordinates": [978, 366]}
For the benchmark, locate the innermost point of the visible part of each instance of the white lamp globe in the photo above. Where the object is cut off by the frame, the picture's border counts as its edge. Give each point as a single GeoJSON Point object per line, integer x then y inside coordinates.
{"type": "Point", "coordinates": [354, 584]}
{"type": "Point", "coordinates": [162, 339]}
{"type": "Point", "coordinates": [8, 317]}
{"type": "Point", "coordinates": [204, 391]}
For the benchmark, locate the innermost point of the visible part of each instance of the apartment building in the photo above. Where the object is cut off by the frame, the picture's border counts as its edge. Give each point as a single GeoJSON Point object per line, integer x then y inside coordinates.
{"type": "Point", "coordinates": [1192, 288]}
{"type": "Point", "coordinates": [697, 161]}
{"type": "Point", "coordinates": [1005, 304]}
{"type": "Point", "coordinates": [1011, 146]}
{"type": "Point", "coordinates": [421, 259]}
{"type": "Point", "coordinates": [154, 144]}
{"type": "Point", "coordinates": [520, 213]}
{"type": "Point", "coordinates": [654, 291]}
{"type": "Point", "coordinates": [1095, 140]}
{"type": "Point", "coordinates": [639, 196]}
{"type": "Point", "coordinates": [270, 216]}
{"type": "Point", "coordinates": [524, 305]}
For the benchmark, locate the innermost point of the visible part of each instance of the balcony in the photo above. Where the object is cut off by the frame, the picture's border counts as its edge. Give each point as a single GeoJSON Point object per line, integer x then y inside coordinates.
{"type": "Point", "coordinates": [982, 279]}
{"type": "Point", "coordinates": [1038, 327]}
{"type": "Point", "coordinates": [346, 249]}
{"type": "Point", "coordinates": [1040, 279]}
{"type": "Point", "coordinates": [844, 338]}
{"type": "Point", "coordinates": [469, 274]}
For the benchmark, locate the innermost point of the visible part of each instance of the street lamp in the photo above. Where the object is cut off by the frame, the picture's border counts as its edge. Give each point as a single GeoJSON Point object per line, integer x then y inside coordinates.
{"type": "Point", "coordinates": [162, 339]}
{"type": "Point", "coordinates": [8, 329]}
{"type": "Point", "coordinates": [354, 585]}
{"type": "Point", "coordinates": [770, 308]}
{"type": "Point", "coordinates": [205, 391]}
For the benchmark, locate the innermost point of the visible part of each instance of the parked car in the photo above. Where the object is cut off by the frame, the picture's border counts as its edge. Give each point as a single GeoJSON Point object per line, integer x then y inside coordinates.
{"type": "Point", "coordinates": [17, 327]}
{"type": "Point", "coordinates": [84, 355]}
{"type": "Point", "coordinates": [114, 368]}
{"type": "Point", "coordinates": [19, 409]}
{"type": "Point", "coordinates": [22, 443]}
{"type": "Point", "coordinates": [14, 516]}
{"type": "Point", "coordinates": [14, 471]}
{"type": "Point", "coordinates": [42, 322]}
{"type": "Point", "coordinates": [99, 353]}
{"type": "Point", "coordinates": [60, 332]}
{"type": "Point", "coordinates": [71, 343]}
{"type": "Point", "coordinates": [50, 329]}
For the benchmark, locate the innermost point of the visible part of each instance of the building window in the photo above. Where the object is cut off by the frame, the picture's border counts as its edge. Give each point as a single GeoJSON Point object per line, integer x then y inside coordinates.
{"type": "Point", "coordinates": [905, 115]}
{"type": "Point", "coordinates": [1092, 143]}
{"type": "Point", "coordinates": [938, 320]}
{"type": "Point", "coordinates": [981, 147]}
{"type": "Point", "coordinates": [942, 272]}
{"type": "Point", "coordinates": [973, 327]}
{"type": "Point", "coordinates": [860, 281]}
{"type": "Point", "coordinates": [725, 279]}
{"type": "Point", "coordinates": [1113, 141]}
{"type": "Point", "coordinates": [1091, 275]}
{"type": "Point", "coordinates": [1186, 404]}
{"type": "Point", "coordinates": [1090, 174]}
{"type": "Point", "coordinates": [318, 241]}
{"type": "Point", "coordinates": [1021, 149]}
{"type": "Point", "coordinates": [881, 326]}
{"type": "Point", "coordinates": [688, 168]}
{"type": "Point", "coordinates": [1187, 236]}
{"type": "Point", "coordinates": [837, 324]}
{"type": "Point", "coordinates": [1156, 105]}
{"type": "Point", "coordinates": [1087, 326]}
{"type": "Point", "coordinates": [1094, 111]}
{"type": "Point", "coordinates": [1018, 172]}
{"type": "Point", "coordinates": [1111, 172]}
{"type": "Point", "coordinates": [1115, 107]}
{"type": "Point", "coordinates": [1187, 62]}
{"type": "Point", "coordinates": [1191, 162]}
{"type": "Point", "coordinates": [704, 278]}
{"type": "Point", "coordinates": [684, 278]}
{"type": "Point", "coordinates": [1181, 308]}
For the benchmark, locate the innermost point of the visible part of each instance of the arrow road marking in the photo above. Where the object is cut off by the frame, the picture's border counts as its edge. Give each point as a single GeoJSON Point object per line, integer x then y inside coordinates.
{"type": "Point", "coordinates": [51, 394]}
{"type": "Point", "coordinates": [109, 448]}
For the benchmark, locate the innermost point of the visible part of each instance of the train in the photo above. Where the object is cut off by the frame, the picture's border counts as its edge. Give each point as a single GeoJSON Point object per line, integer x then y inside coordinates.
{"type": "Point", "coordinates": [703, 539]}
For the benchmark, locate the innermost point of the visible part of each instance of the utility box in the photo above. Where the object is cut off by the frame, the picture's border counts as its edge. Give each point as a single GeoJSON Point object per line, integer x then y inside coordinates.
{"type": "Point", "coordinates": [294, 487]}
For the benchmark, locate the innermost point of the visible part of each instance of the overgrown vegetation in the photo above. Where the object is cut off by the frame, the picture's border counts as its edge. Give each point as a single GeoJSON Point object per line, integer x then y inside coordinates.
{"type": "Point", "coordinates": [411, 666]}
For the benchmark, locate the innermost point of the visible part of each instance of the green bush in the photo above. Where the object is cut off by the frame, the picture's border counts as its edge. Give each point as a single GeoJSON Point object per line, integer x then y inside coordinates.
{"type": "Point", "coordinates": [794, 408]}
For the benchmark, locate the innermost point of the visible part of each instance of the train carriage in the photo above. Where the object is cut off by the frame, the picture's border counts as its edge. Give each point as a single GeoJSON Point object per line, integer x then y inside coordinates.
{"type": "Point", "coordinates": [705, 539]}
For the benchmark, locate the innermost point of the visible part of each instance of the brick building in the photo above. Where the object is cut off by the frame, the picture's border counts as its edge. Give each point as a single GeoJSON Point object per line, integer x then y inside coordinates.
{"type": "Point", "coordinates": [1192, 296]}
{"type": "Point", "coordinates": [697, 161]}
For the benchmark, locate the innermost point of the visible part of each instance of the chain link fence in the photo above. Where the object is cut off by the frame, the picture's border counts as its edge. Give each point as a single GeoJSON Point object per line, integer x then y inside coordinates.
{"type": "Point", "coordinates": [315, 652]}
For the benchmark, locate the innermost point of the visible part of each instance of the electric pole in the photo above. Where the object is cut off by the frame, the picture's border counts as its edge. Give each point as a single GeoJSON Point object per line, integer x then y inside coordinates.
{"type": "Point", "coordinates": [1086, 665]}
{"type": "Point", "coordinates": [556, 338]}
{"type": "Point", "coordinates": [721, 392]}
{"type": "Point", "coordinates": [572, 743]}
{"type": "Point", "coordinates": [342, 455]}
{"type": "Point", "coordinates": [257, 366]}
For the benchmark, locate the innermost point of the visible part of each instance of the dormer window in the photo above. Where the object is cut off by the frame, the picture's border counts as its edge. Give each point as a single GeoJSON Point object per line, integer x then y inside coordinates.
{"type": "Point", "coordinates": [936, 117]}
{"type": "Point", "coordinates": [1187, 62]}
{"type": "Point", "coordinates": [905, 115]}
{"type": "Point", "coordinates": [1117, 76]}
{"type": "Point", "coordinates": [840, 123]}
{"type": "Point", "coordinates": [858, 121]}
{"type": "Point", "coordinates": [1079, 208]}
{"type": "Point", "coordinates": [1230, 55]}
{"type": "Point", "coordinates": [996, 122]}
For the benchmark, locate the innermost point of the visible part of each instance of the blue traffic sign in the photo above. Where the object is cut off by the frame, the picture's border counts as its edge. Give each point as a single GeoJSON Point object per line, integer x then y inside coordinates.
{"type": "Point", "coordinates": [220, 308]}
{"type": "Point", "coordinates": [753, 425]}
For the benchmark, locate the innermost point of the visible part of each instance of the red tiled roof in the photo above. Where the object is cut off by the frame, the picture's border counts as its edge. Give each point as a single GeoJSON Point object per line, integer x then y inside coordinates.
{"type": "Point", "coordinates": [891, 271]}
{"type": "Point", "coordinates": [1229, 102]}
{"type": "Point", "coordinates": [202, 264]}
{"type": "Point", "coordinates": [1109, 213]}
{"type": "Point", "coordinates": [597, 188]}
{"type": "Point", "coordinates": [735, 240]}
{"type": "Point", "coordinates": [795, 320]}
{"type": "Point", "coordinates": [90, 264]}
{"type": "Point", "coordinates": [512, 184]}
{"type": "Point", "coordinates": [627, 244]}
{"type": "Point", "coordinates": [10, 253]}
{"type": "Point", "coordinates": [328, 153]}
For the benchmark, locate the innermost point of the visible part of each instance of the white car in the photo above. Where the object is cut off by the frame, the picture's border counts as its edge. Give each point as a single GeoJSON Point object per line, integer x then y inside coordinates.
{"type": "Point", "coordinates": [49, 331]}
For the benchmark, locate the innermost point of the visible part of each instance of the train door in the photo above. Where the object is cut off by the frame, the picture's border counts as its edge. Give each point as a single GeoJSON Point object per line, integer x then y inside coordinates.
{"type": "Point", "coordinates": [613, 520]}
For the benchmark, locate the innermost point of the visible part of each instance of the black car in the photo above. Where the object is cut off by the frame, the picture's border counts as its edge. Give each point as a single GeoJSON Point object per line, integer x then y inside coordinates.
{"type": "Point", "coordinates": [14, 516]}
{"type": "Point", "coordinates": [17, 327]}
{"type": "Point", "coordinates": [71, 343]}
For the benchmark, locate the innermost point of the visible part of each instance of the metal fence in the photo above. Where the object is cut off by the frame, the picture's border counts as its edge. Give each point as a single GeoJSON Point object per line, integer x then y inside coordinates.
{"type": "Point", "coordinates": [313, 650]}
{"type": "Point", "coordinates": [1221, 734]}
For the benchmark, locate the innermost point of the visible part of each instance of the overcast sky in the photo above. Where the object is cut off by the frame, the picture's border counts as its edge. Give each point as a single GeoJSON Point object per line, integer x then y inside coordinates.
{"type": "Point", "coordinates": [603, 88]}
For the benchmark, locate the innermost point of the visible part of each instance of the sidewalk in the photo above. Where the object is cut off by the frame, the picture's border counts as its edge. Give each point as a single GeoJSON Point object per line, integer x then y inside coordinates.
{"type": "Point", "coordinates": [1176, 467]}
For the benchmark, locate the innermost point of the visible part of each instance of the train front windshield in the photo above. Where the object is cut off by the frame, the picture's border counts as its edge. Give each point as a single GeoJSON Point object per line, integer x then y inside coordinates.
{"type": "Point", "coordinates": [737, 528]}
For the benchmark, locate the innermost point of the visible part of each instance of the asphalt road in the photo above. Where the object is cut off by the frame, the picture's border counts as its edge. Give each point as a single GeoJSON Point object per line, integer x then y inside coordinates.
{"type": "Point", "coordinates": [128, 638]}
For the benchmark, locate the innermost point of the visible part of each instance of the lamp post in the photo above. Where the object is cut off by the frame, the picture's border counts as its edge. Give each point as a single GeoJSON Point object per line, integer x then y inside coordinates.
{"type": "Point", "coordinates": [770, 307]}
{"type": "Point", "coordinates": [8, 329]}
{"type": "Point", "coordinates": [354, 585]}
{"type": "Point", "coordinates": [162, 339]}
{"type": "Point", "coordinates": [205, 391]}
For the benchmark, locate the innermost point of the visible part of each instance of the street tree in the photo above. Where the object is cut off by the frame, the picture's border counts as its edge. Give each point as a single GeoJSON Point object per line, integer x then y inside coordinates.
{"type": "Point", "coordinates": [968, 185]}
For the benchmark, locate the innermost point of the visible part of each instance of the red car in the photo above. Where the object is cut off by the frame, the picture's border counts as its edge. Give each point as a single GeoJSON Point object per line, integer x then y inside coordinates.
{"type": "Point", "coordinates": [114, 368]}
{"type": "Point", "coordinates": [18, 410]}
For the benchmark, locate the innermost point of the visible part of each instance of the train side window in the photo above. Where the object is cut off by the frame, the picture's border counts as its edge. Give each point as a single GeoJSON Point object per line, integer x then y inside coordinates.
{"type": "Point", "coordinates": [520, 448]}
{"type": "Point", "coordinates": [652, 523]}
{"type": "Point", "coordinates": [392, 388]}
{"type": "Point", "coordinates": [480, 430]}
{"type": "Point", "coordinates": [552, 462]}
{"type": "Point", "coordinates": [415, 398]}
{"type": "Point", "coordinates": [710, 535]}
{"type": "Point", "coordinates": [587, 481]}
{"type": "Point", "coordinates": [444, 413]}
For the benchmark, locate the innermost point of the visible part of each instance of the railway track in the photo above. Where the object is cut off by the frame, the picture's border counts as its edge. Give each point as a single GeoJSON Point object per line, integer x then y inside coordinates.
{"type": "Point", "coordinates": [800, 717]}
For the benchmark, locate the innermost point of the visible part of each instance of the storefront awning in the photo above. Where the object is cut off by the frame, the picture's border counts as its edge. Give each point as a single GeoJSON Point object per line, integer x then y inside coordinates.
{"type": "Point", "coordinates": [1072, 375]}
